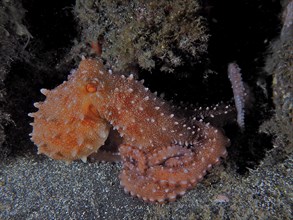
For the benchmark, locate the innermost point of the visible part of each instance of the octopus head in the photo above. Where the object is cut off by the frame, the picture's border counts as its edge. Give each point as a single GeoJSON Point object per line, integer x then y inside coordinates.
{"type": "Point", "coordinates": [66, 126]}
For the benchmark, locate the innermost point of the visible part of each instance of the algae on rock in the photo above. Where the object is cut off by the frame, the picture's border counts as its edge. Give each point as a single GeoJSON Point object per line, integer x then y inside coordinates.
{"type": "Point", "coordinates": [14, 37]}
{"type": "Point", "coordinates": [280, 66]}
{"type": "Point", "coordinates": [164, 34]}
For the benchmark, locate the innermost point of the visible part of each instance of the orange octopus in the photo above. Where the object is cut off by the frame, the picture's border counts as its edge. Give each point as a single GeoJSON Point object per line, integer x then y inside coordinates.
{"type": "Point", "coordinates": [163, 153]}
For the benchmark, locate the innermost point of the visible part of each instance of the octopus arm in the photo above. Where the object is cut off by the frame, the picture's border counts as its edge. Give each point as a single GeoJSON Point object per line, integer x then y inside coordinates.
{"type": "Point", "coordinates": [170, 171]}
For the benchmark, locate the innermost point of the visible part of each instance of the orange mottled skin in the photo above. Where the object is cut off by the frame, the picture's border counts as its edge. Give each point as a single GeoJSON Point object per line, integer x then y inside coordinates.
{"type": "Point", "coordinates": [65, 126]}
{"type": "Point", "coordinates": [163, 154]}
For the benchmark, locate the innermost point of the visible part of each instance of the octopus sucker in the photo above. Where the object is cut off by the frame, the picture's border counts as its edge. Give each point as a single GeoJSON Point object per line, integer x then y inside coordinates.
{"type": "Point", "coordinates": [159, 156]}
{"type": "Point", "coordinates": [136, 159]}
{"type": "Point", "coordinates": [148, 190]}
{"type": "Point", "coordinates": [163, 152]}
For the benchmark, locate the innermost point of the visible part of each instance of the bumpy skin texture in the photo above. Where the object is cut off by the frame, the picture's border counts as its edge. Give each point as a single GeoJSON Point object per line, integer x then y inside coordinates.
{"type": "Point", "coordinates": [164, 173]}
{"type": "Point", "coordinates": [163, 153]}
{"type": "Point", "coordinates": [65, 126]}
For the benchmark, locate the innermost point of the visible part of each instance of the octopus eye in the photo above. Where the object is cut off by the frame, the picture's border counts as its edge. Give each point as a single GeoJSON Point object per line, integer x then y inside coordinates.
{"type": "Point", "coordinates": [90, 87]}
